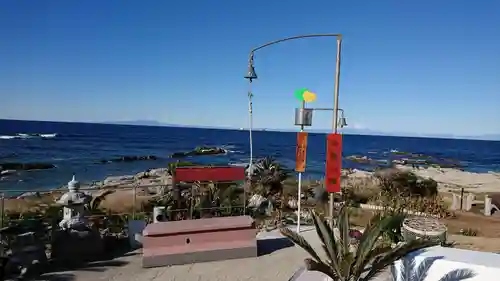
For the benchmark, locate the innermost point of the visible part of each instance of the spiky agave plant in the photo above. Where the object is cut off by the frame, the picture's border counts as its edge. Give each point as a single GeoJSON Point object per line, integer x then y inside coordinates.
{"type": "Point", "coordinates": [364, 263]}
{"type": "Point", "coordinates": [409, 271]}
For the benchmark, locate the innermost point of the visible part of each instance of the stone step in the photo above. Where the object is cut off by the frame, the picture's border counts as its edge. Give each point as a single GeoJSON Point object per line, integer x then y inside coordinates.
{"type": "Point", "coordinates": [190, 241]}
{"type": "Point", "coordinates": [194, 238]}
{"type": "Point", "coordinates": [186, 254]}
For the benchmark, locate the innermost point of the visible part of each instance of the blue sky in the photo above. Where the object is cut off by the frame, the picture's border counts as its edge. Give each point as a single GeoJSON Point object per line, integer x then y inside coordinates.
{"type": "Point", "coordinates": [407, 66]}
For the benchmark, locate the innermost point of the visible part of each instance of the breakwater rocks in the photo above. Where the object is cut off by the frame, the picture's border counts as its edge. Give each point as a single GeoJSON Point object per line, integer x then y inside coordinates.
{"type": "Point", "coordinates": [13, 166]}
{"type": "Point", "coordinates": [200, 151]}
{"type": "Point", "coordinates": [394, 157]}
{"type": "Point", "coordinates": [128, 159]}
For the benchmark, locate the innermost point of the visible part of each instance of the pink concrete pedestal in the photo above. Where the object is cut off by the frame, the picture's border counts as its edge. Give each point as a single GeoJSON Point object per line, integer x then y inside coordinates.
{"type": "Point", "coordinates": [201, 240]}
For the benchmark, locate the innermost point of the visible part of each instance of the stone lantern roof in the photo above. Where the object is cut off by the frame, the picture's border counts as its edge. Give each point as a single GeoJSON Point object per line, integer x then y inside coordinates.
{"type": "Point", "coordinates": [73, 185]}
{"type": "Point", "coordinates": [74, 196]}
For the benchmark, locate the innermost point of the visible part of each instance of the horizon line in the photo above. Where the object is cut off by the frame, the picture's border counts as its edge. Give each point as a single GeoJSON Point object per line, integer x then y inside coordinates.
{"type": "Point", "coordinates": [367, 132]}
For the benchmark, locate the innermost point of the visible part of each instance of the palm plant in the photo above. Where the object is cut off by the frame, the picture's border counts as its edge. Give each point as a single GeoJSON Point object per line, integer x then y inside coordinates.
{"type": "Point", "coordinates": [269, 175]}
{"type": "Point", "coordinates": [410, 272]}
{"type": "Point", "coordinates": [344, 263]}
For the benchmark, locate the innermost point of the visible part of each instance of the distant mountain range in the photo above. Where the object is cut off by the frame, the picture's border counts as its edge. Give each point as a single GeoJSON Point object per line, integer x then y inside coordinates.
{"type": "Point", "coordinates": [154, 123]}
{"type": "Point", "coordinates": [140, 123]}
{"type": "Point", "coordinates": [349, 131]}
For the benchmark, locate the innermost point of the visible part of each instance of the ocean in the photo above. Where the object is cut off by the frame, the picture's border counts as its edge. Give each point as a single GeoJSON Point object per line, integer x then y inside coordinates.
{"type": "Point", "coordinates": [78, 148]}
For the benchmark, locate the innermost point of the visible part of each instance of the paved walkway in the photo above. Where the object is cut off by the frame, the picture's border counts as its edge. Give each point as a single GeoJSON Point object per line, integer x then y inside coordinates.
{"type": "Point", "coordinates": [279, 265]}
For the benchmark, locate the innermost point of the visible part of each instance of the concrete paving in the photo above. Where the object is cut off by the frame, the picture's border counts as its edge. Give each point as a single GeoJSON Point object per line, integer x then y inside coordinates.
{"type": "Point", "coordinates": [272, 265]}
{"type": "Point", "coordinates": [278, 261]}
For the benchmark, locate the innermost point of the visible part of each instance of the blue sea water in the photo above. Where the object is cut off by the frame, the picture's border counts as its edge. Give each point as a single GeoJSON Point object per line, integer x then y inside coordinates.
{"type": "Point", "coordinates": [77, 147]}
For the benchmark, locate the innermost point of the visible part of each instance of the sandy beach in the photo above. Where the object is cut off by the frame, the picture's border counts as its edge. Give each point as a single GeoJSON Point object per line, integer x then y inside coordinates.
{"type": "Point", "coordinates": [454, 178]}
{"type": "Point", "coordinates": [449, 178]}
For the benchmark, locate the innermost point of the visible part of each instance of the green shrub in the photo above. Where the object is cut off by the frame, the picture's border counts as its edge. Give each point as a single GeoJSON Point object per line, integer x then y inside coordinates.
{"type": "Point", "coordinates": [405, 183]}
{"type": "Point", "coordinates": [357, 191]}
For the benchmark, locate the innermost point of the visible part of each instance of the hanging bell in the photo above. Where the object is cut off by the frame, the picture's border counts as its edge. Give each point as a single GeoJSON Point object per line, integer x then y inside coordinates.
{"type": "Point", "coordinates": [342, 122]}
{"type": "Point", "coordinates": [251, 73]}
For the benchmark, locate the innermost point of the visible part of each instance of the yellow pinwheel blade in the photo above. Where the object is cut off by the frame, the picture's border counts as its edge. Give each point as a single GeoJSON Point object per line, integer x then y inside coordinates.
{"type": "Point", "coordinates": [309, 97]}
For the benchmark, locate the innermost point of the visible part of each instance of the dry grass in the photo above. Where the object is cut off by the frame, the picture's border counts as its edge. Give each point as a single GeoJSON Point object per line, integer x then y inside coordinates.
{"type": "Point", "coordinates": [487, 239]}
{"type": "Point", "coordinates": [120, 201]}
{"type": "Point", "coordinates": [476, 243]}
{"type": "Point", "coordinates": [31, 204]}
{"type": "Point", "coordinates": [487, 226]}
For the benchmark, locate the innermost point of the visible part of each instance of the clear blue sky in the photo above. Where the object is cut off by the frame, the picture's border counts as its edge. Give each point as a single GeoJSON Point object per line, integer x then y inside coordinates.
{"type": "Point", "coordinates": [407, 66]}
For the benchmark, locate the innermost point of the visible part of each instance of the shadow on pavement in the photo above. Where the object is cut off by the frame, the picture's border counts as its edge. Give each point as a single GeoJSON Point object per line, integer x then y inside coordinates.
{"type": "Point", "coordinates": [268, 246]}
{"type": "Point", "coordinates": [97, 266]}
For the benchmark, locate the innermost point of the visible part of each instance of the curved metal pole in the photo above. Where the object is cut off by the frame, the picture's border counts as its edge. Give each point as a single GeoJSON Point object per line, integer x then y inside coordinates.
{"type": "Point", "coordinates": [335, 116]}
{"type": "Point", "coordinates": [339, 36]}
{"type": "Point", "coordinates": [250, 128]}
{"type": "Point", "coordinates": [335, 92]}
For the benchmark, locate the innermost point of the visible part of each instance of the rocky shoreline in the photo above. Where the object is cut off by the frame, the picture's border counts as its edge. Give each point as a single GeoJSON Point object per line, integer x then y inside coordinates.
{"type": "Point", "coordinates": [447, 178]}
{"type": "Point", "coordinates": [154, 182]}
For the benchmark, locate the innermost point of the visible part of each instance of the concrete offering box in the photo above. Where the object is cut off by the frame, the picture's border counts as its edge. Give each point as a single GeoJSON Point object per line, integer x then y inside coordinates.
{"type": "Point", "coordinates": [201, 240]}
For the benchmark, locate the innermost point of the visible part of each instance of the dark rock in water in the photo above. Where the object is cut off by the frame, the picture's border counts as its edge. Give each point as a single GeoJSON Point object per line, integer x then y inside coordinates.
{"type": "Point", "coordinates": [199, 151]}
{"type": "Point", "coordinates": [130, 159]}
{"type": "Point", "coordinates": [26, 166]}
{"type": "Point", "coordinates": [359, 159]}
{"type": "Point", "coordinates": [400, 152]}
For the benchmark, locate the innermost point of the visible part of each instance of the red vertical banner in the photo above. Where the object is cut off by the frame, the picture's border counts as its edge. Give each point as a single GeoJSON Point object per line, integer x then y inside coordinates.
{"type": "Point", "coordinates": [333, 162]}
{"type": "Point", "coordinates": [300, 162]}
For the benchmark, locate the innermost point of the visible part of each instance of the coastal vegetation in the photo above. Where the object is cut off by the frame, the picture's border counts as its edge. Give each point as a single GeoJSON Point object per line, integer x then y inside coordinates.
{"type": "Point", "coordinates": [271, 186]}
{"type": "Point", "coordinates": [354, 258]}
{"type": "Point", "coordinates": [270, 195]}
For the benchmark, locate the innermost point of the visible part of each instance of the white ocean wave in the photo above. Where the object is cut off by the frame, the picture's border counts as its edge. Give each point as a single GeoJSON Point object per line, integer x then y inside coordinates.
{"type": "Point", "coordinates": [28, 136]}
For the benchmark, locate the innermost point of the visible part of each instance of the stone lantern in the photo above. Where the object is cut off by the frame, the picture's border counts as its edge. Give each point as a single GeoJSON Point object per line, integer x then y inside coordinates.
{"type": "Point", "coordinates": [76, 240]}
{"type": "Point", "coordinates": [74, 202]}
